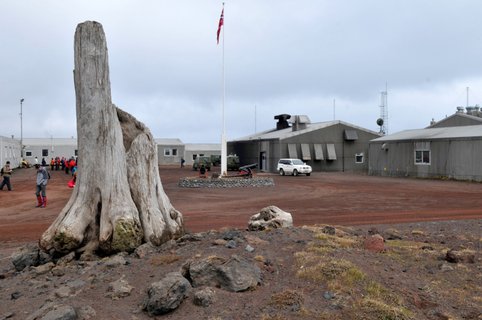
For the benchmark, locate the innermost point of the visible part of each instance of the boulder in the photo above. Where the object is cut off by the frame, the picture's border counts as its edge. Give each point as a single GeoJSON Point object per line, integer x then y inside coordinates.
{"type": "Point", "coordinates": [374, 243]}
{"type": "Point", "coordinates": [61, 312]}
{"type": "Point", "coordinates": [29, 255]}
{"type": "Point", "coordinates": [204, 297]}
{"type": "Point", "coordinates": [119, 289]}
{"type": "Point", "coordinates": [233, 274]}
{"type": "Point", "coordinates": [167, 294]}
{"type": "Point", "coordinates": [270, 217]}
{"type": "Point", "coordinates": [460, 256]}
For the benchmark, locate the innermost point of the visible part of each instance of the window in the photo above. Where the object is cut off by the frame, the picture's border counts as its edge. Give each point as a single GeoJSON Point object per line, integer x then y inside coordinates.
{"type": "Point", "coordinates": [422, 156]}
{"type": "Point", "coordinates": [168, 152]}
{"type": "Point", "coordinates": [45, 152]}
{"type": "Point", "coordinates": [359, 158]}
{"type": "Point", "coordinates": [28, 153]}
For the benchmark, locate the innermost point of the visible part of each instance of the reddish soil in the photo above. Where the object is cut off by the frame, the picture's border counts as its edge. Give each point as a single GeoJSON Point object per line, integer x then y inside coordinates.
{"type": "Point", "coordinates": [322, 198]}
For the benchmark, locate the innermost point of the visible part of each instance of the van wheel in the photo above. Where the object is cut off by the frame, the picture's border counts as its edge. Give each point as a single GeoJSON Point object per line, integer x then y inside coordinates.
{"type": "Point", "coordinates": [295, 172]}
{"type": "Point", "coordinates": [281, 172]}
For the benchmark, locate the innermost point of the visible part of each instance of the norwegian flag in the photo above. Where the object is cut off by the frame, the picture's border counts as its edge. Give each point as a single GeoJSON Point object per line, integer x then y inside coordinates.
{"type": "Point", "coordinates": [221, 22]}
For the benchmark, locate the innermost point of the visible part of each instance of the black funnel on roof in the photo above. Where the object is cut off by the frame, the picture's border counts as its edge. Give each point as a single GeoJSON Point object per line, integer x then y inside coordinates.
{"type": "Point", "coordinates": [282, 121]}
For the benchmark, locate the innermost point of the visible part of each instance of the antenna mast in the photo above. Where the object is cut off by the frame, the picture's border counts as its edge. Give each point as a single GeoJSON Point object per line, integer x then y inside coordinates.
{"type": "Point", "coordinates": [384, 110]}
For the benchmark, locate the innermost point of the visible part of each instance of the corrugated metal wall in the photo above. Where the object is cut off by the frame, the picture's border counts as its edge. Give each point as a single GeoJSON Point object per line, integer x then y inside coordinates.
{"type": "Point", "coordinates": [453, 159]}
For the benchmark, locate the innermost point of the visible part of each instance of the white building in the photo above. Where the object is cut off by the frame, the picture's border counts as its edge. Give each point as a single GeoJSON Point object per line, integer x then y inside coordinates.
{"type": "Point", "coordinates": [9, 151]}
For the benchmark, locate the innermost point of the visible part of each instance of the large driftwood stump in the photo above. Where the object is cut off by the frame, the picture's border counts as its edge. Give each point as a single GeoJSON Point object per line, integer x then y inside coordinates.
{"type": "Point", "coordinates": [118, 201]}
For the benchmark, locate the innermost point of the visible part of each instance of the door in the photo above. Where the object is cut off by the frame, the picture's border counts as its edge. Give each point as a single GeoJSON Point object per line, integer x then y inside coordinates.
{"type": "Point", "coordinates": [262, 161]}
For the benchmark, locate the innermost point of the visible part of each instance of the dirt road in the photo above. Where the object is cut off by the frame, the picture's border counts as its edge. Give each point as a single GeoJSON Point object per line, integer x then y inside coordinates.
{"type": "Point", "coordinates": [322, 198]}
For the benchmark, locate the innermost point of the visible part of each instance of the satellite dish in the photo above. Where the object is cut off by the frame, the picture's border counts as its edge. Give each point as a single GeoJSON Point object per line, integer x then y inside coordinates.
{"type": "Point", "coordinates": [380, 121]}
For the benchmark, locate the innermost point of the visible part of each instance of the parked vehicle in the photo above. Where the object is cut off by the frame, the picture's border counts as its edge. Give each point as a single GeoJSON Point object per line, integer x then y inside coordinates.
{"type": "Point", "coordinates": [202, 160]}
{"type": "Point", "coordinates": [293, 167]}
{"type": "Point", "coordinates": [216, 160]}
{"type": "Point", "coordinates": [232, 162]}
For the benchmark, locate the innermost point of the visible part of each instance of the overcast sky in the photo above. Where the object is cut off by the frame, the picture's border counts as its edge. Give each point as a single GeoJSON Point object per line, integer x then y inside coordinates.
{"type": "Point", "coordinates": [322, 58]}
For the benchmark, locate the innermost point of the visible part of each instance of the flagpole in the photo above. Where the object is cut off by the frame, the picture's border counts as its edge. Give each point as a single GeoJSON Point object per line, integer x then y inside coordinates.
{"type": "Point", "coordinates": [223, 135]}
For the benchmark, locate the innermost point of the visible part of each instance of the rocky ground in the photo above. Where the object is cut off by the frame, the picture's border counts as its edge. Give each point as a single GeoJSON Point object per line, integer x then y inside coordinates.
{"type": "Point", "coordinates": [429, 270]}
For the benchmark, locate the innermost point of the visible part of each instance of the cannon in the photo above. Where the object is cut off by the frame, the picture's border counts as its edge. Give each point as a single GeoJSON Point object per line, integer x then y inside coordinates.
{"type": "Point", "coordinates": [247, 170]}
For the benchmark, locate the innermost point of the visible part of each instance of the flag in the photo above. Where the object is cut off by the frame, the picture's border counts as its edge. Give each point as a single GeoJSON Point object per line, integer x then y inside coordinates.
{"type": "Point", "coordinates": [221, 22]}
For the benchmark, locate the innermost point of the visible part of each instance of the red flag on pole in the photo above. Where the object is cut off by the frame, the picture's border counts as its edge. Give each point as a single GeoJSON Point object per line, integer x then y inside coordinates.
{"type": "Point", "coordinates": [221, 22]}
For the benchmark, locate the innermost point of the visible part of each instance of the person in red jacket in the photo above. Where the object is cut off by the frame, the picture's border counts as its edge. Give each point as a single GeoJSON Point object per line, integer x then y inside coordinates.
{"type": "Point", "coordinates": [72, 164]}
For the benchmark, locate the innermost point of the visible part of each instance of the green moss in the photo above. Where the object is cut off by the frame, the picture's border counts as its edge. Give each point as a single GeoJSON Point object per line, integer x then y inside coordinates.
{"type": "Point", "coordinates": [64, 242]}
{"type": "Point", "coordinates": [127, 235]}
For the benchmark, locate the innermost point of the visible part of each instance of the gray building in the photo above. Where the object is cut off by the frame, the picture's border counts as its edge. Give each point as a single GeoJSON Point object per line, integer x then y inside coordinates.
{"type": "Point", "coordinates": [48, 148]}
{"type": "Point", "coordinates": [169, 151]}
{"type": "Point", "coordinates": [450, 148]}
{"type": "Point", "coordinates": [200, 149]}
{"type": "Point", "coordinates": [326, 146]}
{"type": "Point", "coordinates": [472, 117]}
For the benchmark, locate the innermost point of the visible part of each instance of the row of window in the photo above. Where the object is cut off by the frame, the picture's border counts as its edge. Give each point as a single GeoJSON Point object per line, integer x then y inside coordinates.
{"type": "Point", "coordinates": [169, 152]}
{"type": "Point", "coordinates": [45, 153]}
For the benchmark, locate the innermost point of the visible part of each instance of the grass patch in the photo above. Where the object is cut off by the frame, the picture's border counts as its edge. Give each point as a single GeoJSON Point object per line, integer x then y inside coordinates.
{"type": "Point", "coordinates": [376, 309]}
{"type": "Point", "coordinates": [288, 299]}
{"type": "Point", "coordinates": [336, 242]}
{"type": "Point", "coordinates": [338, 273]}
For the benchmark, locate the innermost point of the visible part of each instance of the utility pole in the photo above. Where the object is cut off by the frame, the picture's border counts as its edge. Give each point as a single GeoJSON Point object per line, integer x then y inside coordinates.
{"type": "Point", "coordinates": [21, 130]}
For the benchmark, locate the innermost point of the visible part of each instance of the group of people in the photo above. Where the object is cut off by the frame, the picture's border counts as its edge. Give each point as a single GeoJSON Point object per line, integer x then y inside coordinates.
{"type": "Point", "coordinates": [63, 164]}
{"type": "Point", "coordinates": [42, 176]}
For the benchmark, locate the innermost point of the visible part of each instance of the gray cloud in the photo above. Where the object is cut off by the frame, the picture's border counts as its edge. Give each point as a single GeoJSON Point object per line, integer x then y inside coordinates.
{"type": "Point", "coordinates": [280, 56]}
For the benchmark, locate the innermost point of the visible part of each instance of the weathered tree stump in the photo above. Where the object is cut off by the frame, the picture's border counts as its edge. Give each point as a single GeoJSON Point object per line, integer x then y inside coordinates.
{"type": "Point", "coordinates": [118, 201]}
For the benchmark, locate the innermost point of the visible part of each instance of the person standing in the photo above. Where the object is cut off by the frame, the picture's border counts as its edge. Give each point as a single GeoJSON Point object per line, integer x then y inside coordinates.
{"type": "Point", "coordinates": [6, 174]}
{"type": "Point", "coordinates": [42, 180]}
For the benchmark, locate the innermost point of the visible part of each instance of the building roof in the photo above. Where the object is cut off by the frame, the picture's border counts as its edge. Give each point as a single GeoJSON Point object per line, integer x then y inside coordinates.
{"type": "Point", "coordinates": [50, 142]}
{"type": "Point", "coordinates": [469, 117]}
{"type": "Point", "coordinates": [169, 142]}
{"type": "Point", "coordinates": [288, 132]}
{"type": "Point", "coordinates": [435, 133]}
{"type": "Point", "coordinates": [203, 146]}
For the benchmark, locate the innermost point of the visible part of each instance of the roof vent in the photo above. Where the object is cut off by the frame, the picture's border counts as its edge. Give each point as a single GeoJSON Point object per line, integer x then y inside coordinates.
{"type": "Point", "coordinates": [300, 122]}
{"type": "Point", "coordinates": [282, 121]}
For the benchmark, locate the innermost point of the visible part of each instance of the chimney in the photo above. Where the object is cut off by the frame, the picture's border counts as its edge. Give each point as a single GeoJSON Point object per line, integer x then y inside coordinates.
{"type": "Point", "coordinates": [282, 121]}
{"type": "Point", "coordinates": [470, 110]}
{"type": "Point", "coordinates": [460, 109]}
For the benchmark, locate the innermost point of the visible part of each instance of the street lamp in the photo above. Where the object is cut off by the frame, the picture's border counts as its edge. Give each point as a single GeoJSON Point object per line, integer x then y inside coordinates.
{"type": "Point", "coordinates": [21, 130]}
